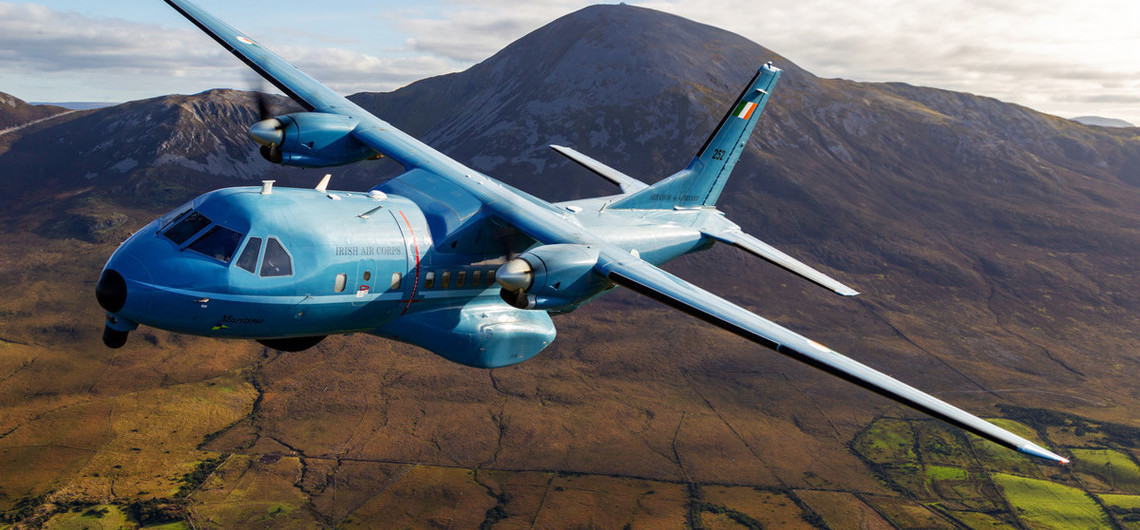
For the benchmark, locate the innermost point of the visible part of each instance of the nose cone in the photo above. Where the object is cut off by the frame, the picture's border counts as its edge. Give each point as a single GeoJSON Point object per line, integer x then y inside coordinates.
{"type": "Point", "coordinates": [267, 132]}
{"type": "Point", "coordinates": [111, 291]}
{"type": "Point", "coordinates": [515, 275]}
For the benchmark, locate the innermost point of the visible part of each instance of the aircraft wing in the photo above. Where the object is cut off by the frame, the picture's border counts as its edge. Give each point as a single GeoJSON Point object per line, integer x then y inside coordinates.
{"type": "Point", "coordinates": [315, 97]}
{"type": "Point", "coordinates": [648, 280]}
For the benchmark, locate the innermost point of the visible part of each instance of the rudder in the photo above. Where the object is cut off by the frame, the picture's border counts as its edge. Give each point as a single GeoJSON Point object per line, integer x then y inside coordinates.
{"type": "Point", "coordinates": [701, 182]}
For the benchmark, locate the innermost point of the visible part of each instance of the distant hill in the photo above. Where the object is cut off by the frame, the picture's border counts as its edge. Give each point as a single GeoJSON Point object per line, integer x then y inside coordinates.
{"type": "Point", "coordinates": [15, 111]}
{"type": "Point", "coordinates": [159, 149]}
{"type": "Point", "coordinates": [1102, 122]}
{"type": "Point", "coordinates": [80, 105]}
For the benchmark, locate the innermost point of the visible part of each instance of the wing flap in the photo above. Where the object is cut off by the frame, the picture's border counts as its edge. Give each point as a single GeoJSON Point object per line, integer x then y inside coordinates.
{"type": "Point", "coordinates": [644, 278]}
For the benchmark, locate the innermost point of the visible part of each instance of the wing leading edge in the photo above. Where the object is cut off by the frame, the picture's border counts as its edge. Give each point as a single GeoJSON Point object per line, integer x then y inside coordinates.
{"type": "Point", "coordinates": [644, 278]}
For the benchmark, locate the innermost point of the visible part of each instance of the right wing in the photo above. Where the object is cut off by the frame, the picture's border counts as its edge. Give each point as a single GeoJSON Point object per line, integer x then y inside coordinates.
{"type": "Point", "coordinates": [646, 279]}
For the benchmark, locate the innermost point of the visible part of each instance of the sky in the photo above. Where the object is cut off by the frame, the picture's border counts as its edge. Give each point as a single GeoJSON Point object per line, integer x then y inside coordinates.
{"type": "Point", "coordinates": [1058, 56]}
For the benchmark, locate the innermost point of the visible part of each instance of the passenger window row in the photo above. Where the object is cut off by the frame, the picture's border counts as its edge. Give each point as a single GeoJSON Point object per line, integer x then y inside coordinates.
{"type": "Point", "coordinates": [478, 279]}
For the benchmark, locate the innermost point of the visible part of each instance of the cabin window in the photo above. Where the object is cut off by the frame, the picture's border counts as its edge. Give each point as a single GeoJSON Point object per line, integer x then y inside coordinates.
{"type": "Point", "coordinates": [248, 258]}
{"type": "Point", "coordinates": [367, 275]}
{"type": "Point", "coordinates": [276, 261]}
{"type": "Point", "coordinates": [460, 279]}
{"type": "Point", "coordinates": [182, 230]}
{"type": "Point", "coordinates": [475, 277]}
{"type": "Point", "coordinates": [341, 282]}
{"type": "Point", "coordinates": [490, 278]}
{"type": "Point", "coordinates": [429, 280]}
{"type": "Point", "coordinates": [445, 279]}
{"type": "Point", "coordinates": [219, 243]}
{"type": "Point", "coordinates": [396, 277]}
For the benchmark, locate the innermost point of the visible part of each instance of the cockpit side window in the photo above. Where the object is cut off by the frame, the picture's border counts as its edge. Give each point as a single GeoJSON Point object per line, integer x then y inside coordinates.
{"type": "Point", "coordinates": [248, 258]}
{"type": "Point", "coordinates": [188, 226]}
{"type": "Point", "coordinates": [218, 243]}
{"type": "Point", "coordinates": [276, 261]}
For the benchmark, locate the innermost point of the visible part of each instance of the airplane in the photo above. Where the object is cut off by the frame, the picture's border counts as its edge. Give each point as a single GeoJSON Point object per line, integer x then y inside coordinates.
{"type": "Point", "coordinates": [443, 256]}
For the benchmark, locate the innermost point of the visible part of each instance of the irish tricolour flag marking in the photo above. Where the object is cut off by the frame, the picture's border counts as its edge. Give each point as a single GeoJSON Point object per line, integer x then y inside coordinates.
{"type": "Point", "coordinates": [245, 40]}
{"type": "Point", "coordinates": [744, 110]}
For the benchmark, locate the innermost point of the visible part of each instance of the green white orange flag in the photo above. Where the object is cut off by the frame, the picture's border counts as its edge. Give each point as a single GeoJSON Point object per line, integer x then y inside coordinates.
{"type": "Point", "coordinates": [744, 110]}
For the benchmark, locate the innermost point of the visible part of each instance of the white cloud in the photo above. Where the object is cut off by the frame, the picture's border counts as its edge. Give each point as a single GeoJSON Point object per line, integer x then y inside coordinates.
{"type": "Point", "coordinates": [472, 31]}
{"type": "Point", "coordinates": [44, 52]}
{"type": "Point", "coordinates": [1054, 55]}
{"type": "Point", "coordinates": [1037, 53]}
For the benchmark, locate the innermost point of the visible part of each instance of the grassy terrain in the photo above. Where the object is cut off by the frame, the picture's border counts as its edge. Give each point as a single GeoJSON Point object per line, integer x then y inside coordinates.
{"type": "Point", "coordinates": [1108, 469]}
{"type": "Point", "coordinates": [1044, 504]}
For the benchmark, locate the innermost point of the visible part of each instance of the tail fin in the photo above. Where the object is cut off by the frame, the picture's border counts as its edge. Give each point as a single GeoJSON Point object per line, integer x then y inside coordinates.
{"type": "Point", "coordinates": [700, 183]}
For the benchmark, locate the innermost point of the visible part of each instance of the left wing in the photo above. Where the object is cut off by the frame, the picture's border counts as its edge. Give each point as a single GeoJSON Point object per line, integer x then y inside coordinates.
{"type": "Point", "coordinates": [646, 279]}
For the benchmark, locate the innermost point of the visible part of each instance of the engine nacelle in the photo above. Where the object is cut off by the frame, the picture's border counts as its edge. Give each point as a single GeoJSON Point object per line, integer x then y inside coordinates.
{"type": "Point", "coordinates": [556, 278]}
{"type": "Point", "coordinates": [310, 139]}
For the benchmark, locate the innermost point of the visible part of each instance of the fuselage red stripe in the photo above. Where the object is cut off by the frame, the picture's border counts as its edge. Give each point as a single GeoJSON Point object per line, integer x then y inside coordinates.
{"type": "Point", "coordinates": [415, 246]}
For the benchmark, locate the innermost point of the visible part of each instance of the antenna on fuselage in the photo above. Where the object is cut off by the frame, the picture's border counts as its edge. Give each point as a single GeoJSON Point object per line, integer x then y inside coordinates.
{"type": "Point", "coordinates": [267, 187]}
{"type": "Point", "coordinates": [324, 185]}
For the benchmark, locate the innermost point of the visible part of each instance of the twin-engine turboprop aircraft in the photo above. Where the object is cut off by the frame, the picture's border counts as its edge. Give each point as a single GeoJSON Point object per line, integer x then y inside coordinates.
{"type": "Point", "coordinates": [443, 256]}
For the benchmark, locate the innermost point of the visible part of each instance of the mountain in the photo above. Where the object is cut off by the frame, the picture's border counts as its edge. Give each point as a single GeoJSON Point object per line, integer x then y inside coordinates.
{"type": "Point", "coordinates": [1101, 122]}
{"type": "Point", "coordinates": [995, 247]}
{"type": "Point", "coordinates": [157, 150]}
{"type": "Point", "coordinates": [15, 112]}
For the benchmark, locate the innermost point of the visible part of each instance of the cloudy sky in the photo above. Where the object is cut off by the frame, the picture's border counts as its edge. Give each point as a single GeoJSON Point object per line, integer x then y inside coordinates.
{"type": "Point", "coordinates": [1058, 56]}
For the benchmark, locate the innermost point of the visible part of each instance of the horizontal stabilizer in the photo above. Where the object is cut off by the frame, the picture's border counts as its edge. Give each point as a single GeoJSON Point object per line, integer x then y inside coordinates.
{"type": "Point", "coordinates": [761, 249]}
{"type": "Point", "coordinates": [627, 183]}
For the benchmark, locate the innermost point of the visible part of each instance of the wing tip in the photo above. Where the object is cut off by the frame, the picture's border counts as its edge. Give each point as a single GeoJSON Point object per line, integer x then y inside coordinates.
{"type": "Point", "coordinates": [1040, 452]}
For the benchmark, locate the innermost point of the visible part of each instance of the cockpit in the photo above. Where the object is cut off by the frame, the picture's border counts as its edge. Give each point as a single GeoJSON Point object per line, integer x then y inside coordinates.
{"type": "Point", "coordinates": [221, 244]}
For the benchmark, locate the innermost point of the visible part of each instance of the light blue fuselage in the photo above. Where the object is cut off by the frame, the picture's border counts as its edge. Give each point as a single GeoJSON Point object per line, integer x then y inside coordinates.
{"type": "Point", "coordinates": [361, 262]}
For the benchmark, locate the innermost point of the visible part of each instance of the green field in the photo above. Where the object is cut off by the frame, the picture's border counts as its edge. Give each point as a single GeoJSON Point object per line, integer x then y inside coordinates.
{"type": "Point", "coordinates": [1050, 505]}
{"type": "Point", "coordinates": [946, 473]}
{"type": "Point", "coordinates": [1115, 470]}
{"type": "Point", "coordinates": [1131, 502]}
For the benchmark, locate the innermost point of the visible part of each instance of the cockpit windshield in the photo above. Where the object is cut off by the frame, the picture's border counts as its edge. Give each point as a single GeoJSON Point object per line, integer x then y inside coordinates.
{"type": "Point", "coordinates": [218, 243]}
{"type": "Point", "coordinates": [188, 226]}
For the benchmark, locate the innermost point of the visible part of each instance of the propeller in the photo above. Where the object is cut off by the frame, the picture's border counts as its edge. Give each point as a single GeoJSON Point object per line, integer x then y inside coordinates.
{"type": "Point", "coordinates": [269, 132]}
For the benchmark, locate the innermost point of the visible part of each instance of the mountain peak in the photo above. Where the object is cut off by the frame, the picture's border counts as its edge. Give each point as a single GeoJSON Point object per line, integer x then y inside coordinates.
{"type": "Point", "coordinates": [635, 39]}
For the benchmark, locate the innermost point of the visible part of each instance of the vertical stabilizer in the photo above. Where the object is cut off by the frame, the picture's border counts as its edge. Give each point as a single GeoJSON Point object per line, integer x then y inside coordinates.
{"type": "Point", "coordinates": [700, 184]}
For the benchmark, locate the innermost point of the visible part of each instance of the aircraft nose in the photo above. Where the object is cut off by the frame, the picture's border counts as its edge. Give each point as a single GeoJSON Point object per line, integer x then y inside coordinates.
{"type": "Point", "coordinates": [111, 291]}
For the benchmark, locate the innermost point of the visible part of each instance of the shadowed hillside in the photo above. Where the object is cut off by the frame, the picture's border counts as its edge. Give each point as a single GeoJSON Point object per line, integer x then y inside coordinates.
{"type": "Point", "coordinates": [995, 247]}
{"type": "Point", "coordinates": [15, 112]}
